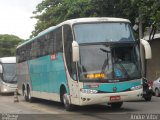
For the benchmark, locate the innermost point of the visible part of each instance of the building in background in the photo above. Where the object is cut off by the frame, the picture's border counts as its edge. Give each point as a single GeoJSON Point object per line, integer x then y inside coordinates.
{"type": "Point", "coordinates": [153, 65]}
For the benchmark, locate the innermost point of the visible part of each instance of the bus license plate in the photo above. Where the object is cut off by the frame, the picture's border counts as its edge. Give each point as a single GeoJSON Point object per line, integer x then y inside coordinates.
{"type": "Point", "coordinates": [115, 98]}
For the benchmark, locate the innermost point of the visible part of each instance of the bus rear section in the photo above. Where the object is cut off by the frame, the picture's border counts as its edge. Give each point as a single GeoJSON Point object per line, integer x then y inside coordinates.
{"type": "Point", "coordinates": [8, 80]}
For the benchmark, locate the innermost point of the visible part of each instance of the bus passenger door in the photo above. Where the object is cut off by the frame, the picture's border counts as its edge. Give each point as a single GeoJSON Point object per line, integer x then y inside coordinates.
{"type": "Point", "coordinates": [74, 92]}
{"type": "Point", "coordinates": [70, 64]}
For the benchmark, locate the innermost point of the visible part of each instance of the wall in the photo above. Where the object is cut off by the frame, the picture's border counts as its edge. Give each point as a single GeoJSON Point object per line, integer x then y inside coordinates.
{"type": "Point", "coordinates": [153, 65]}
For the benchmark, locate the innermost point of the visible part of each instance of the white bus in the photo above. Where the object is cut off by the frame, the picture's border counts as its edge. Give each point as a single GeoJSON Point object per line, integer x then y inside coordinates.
{"type": "Point", "coordinates": [8, 80]}
{"type": "Point", "coordinates": [82, 61]}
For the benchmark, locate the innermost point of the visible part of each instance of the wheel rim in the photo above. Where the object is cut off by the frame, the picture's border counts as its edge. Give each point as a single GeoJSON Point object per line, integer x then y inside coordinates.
{"type": "Point", "coordinates": [29, 96]}
{"type": "Point", "coordinates": [64, 99]}
{"type": "Point", "coordinates": [66, 103]}
{"type": "Point", "coordinates": [25, 95]}
{"type": "Point", "coordinates": [157, 92]}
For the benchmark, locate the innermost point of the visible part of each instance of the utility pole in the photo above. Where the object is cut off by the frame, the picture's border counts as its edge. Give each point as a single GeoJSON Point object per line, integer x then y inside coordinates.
{"type": "Point", "coordinates": [140, 28]}
{"type": "Point", "coordinates": [141, 47]}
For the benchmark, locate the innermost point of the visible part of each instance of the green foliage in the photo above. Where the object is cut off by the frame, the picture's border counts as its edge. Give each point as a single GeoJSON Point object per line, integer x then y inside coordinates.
{"type": "Point", "coordinates": [52, 12]}
{"type": "Point", "coordinates": [8, 44]}
{"type": "Point", "coordinates": [149, 11]}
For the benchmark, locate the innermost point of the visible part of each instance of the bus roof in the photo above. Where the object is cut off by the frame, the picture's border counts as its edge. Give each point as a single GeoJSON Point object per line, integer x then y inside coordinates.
{"type": "Point", "coordinates": [94, 19]}
{"type": "Point", "coordinates": [78, 20]}
{"type": "Point", "coordinates": [8, 60]}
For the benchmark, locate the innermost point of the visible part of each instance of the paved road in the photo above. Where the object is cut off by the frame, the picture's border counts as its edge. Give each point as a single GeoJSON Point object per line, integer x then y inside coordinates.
{"type": "Point", "coordinates": [48, 110]}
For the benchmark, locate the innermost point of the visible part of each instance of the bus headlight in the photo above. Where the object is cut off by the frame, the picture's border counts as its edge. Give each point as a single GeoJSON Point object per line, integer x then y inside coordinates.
{"type": "Point", "coordinates": [89, 91]}
{"type": "Point", "coordinates": [136, 87]}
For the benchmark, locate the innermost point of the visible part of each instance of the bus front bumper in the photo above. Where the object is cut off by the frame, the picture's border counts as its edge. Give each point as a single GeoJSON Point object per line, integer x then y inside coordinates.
{"type": "Point", "coordinates": [100, 98]}
{"type": "Point", "coordinates": [8, 88]}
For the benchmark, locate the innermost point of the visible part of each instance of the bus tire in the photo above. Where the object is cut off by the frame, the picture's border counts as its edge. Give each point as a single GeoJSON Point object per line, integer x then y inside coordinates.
{"type": "Point", "coordinates": [66, 102]}
{"type": "Point", "coordinates": [116, 105]}
{"type": "Point", "coordinates": [157, 94]}
{"type": "Point", "coordinates": [30, 98]}
{"type": "Point", "coordinates": [25, 96]}
{"type": "Point", "coordinates": [24, 92]}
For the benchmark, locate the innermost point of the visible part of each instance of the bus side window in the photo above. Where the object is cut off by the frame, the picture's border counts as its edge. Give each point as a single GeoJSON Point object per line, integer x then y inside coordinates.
{"type": "Point", "coordinates": [59, 44]}
{"type": "Point", "coordinates": [55, 41]}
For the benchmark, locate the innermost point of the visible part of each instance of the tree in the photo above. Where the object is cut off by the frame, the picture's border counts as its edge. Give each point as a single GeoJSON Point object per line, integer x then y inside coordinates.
{"type": "Point", "coordinates": [52, 12]}
{"type": "Point", "coordinates": [8, 44]}
{"type": "Point", "coordinates": [47, 14]}
{"type": "Point", "coordinates": [149, 13]}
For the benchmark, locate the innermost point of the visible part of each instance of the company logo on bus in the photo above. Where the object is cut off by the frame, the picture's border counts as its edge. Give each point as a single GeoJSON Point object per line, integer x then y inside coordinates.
{"type": "Point", "coordinates": [114, 89]}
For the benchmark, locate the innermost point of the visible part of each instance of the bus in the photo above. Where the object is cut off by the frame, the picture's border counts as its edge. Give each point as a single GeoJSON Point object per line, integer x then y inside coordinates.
{"type": "Point", "coordinates": [8, 80]}
{"type": "Point", "coordinates": [83, 61]}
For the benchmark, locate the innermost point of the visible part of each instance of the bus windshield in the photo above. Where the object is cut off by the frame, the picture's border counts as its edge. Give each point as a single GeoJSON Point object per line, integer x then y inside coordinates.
{"type": "Point", "coordinates": [9, 72]}
{"type": "Point", "coordinates": [103, 32]}
{"type": "Point", "coordinates": [109, 62]}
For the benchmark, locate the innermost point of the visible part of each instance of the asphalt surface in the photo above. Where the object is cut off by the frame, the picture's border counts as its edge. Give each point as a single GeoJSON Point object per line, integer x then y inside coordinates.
{"type": "Point", "coordinates": [49, 110]}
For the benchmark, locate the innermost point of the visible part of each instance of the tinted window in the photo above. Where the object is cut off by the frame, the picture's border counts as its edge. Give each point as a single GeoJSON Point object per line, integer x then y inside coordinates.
{"type": "Point", "coordinates": [47, 44]}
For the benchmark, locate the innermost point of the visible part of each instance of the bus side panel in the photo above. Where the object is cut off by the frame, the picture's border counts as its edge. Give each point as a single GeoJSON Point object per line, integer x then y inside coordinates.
{"type": "Point", "coordinates": [22, 75]}
{"type": "Point", "coordinates": [47, 74]}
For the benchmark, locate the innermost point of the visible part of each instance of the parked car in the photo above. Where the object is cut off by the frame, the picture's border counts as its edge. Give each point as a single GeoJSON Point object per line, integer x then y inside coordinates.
{"type": "Point", "coordinates": [156, 87]}
{"type": "Point", "coordinates": [147, 89]}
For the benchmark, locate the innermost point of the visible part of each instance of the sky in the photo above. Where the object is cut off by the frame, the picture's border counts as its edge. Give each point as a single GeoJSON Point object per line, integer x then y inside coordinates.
{"type": "Point", "coordinates": [15, 17]}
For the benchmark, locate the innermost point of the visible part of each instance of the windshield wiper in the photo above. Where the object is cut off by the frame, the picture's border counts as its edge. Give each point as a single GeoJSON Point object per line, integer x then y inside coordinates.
{"type": "Point", "coordinates": [106, 62]}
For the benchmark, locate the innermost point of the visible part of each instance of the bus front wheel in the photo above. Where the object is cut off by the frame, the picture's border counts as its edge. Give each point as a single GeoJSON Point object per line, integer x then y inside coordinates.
{"type": "Point", "coordinates": [66, 102]}
{"type": "Point", "coordinates": [116, 105]}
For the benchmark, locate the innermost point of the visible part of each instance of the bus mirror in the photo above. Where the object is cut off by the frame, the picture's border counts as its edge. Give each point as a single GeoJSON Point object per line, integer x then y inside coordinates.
{"type": "Point", "coordinates": [0, 68]}
{"type": "Point", "coordinates": [75, 51]}
{"type": "Point", "coordinates": [147, 48]}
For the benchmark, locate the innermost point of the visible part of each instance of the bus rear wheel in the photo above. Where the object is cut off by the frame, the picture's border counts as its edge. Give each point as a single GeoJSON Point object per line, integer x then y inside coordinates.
{"type": "Point", "coordinates": [25, 95]}
{"type": "Point", "coordinates": [30, 98]}
{"type": "Point", "coordinates": [116, 105]}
